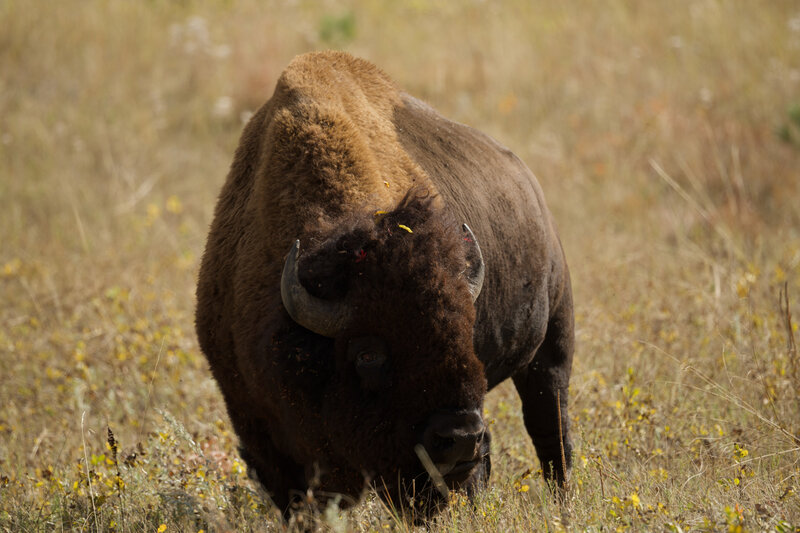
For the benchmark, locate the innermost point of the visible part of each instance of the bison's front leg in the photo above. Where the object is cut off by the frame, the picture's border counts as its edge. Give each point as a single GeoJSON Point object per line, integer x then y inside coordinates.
{"type": "Point", "coordinates": [543, 386]}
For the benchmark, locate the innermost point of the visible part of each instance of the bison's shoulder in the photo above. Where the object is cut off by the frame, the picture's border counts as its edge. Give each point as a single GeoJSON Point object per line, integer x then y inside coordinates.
{"type": "Point", "coordinates": [328, 145]}
{"type": "Point", "coordinates": [337, 79]}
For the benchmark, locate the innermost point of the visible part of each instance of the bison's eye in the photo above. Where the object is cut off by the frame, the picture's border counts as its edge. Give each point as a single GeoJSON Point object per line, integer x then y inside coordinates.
{"type": "Point", "coordinates": [369, 357]}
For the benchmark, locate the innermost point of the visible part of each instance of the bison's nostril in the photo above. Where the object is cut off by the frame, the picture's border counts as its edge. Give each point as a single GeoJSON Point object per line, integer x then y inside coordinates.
{"type": "Point", "coordinates": [440, 443]}
{"type": "Point", "coordinates": [454, 436]}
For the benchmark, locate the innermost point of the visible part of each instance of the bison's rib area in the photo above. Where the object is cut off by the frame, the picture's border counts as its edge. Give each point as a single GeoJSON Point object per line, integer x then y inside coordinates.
{"type": "Point", "coordinates": [487, 186]}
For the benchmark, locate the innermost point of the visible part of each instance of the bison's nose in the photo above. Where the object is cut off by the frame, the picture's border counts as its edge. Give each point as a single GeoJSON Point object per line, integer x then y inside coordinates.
{"type": "Point", "coordinates": [453, 437]}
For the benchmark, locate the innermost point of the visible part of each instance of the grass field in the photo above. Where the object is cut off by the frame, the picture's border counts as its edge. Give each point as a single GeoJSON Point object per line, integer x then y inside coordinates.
{"type": "Point", "coordinates": [666, 136]}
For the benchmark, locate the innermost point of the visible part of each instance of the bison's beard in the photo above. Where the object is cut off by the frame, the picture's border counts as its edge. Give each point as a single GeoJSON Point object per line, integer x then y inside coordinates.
{"type": "Point", "coordinates": [409, 490]}
{"type": "Point", "coordinates": [419, 497]}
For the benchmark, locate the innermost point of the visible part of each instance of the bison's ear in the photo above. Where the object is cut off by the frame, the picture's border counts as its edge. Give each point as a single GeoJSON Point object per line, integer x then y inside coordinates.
{"type": "Point", "coordinates": [475, 269]}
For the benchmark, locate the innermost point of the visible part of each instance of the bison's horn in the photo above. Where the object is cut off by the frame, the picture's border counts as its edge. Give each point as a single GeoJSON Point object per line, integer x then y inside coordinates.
{"type": "Point", "coordinates": [475, 268]}
{"type": "Point", "coordinates": [324, 317]}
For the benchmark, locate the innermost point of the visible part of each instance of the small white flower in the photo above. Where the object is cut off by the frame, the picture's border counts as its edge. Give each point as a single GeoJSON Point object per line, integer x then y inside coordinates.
{"type": "Point", "coordinates": [194, 35]}
{"type": "Point", "coordinates": [676, 41]}
{"type": "Point", "coordinates": [245, 116]}
{"type": "Point", "coordinates": [223, 107]}
{"type": "Point", "coordinates": [198, 27]}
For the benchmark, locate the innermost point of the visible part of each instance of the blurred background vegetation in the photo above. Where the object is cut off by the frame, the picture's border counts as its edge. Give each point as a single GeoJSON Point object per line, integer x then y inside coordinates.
{"type": "Point", "coordinates": [666, 137]}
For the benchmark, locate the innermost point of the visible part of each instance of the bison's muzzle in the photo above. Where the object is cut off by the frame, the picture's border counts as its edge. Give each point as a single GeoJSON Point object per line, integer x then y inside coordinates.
{"type": "Point", "coordinates": [452, 438]}
{"type": "Point", "coordinates": [456, 441]}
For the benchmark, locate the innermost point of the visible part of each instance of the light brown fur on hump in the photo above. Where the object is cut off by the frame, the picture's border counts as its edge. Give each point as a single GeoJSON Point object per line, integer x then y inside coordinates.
{"type": "Point", "coordinates": [330, 145]}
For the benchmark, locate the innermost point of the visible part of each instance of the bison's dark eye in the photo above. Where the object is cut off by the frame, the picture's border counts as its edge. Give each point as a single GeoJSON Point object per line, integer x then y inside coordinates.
{"type": "Point", "coordinates": [369, 357]}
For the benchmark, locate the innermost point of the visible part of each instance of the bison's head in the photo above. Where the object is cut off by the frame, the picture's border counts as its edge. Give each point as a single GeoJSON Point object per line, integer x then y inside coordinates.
{"type": "Point", "coordinates": [402, 405]}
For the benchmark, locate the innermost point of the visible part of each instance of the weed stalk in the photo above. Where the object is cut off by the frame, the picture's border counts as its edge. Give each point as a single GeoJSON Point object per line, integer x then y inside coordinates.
{"type": "Point", "coordinates": [88, 472]}
{"type": "Point", "coordinates": [112, 443]}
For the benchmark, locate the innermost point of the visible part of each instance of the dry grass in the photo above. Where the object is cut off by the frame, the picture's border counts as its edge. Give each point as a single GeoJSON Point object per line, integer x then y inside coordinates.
{"type": "Point", "coordinates": [666, 136]}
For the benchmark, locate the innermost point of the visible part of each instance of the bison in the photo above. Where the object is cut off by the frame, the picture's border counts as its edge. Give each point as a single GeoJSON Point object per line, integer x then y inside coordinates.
{"type": "Point", "coordinates": [371, 271]}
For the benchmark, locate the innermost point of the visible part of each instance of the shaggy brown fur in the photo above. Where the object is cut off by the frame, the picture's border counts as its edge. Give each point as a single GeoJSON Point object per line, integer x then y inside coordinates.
{"type": "Point", "coordinates": [335, 144]}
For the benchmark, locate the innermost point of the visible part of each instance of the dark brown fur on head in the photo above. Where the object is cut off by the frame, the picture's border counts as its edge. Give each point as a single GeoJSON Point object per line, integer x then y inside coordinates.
{"type": "Point", "coordinates": [413, 244]}
{"type": "Point", "coordinates": [401, 272]}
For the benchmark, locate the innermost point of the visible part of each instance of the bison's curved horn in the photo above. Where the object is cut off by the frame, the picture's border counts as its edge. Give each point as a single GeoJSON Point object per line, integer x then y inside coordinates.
{"type": "Point", "coordinates": [324, 317]}
{"type": "Point", "coordinates": [475, 270]}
